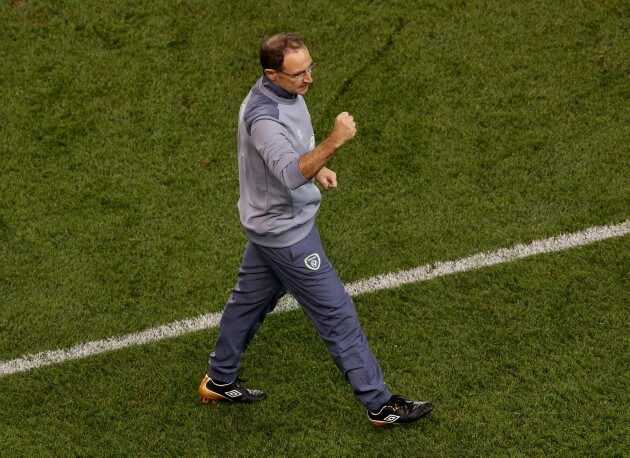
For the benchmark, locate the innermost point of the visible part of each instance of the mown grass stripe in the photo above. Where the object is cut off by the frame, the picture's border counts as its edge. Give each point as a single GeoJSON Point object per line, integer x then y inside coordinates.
{"type": "Point", "coordinates": [377, 283]}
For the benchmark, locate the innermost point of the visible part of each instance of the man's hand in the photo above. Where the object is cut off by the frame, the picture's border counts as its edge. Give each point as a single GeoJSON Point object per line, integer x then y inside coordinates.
{"type": "Point", "coordinates": [344, 129]}
{"type": "Point", "coordinates": [312, 162]}
{"type": "Point", "coordinates": [327, 178]}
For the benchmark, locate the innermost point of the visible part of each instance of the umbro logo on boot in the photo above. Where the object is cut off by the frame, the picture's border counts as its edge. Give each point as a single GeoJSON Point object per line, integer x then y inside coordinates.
{"type": "Point", "coordinates": [233, 392]}
{"type": "Point", "coordinates": [399, 410]}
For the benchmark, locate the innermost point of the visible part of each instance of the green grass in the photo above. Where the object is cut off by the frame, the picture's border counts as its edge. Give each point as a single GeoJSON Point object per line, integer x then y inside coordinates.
{"type": "Point", "coordinates": [480, 125]}
{"type": "Point", "coordinates": [514, 368]}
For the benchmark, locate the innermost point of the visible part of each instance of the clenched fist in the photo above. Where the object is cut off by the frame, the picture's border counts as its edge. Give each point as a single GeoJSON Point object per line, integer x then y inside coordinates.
{"type": "Point", "coordinates": [313, 161]}
{"type": "Point", "coordinates": [344, 128]}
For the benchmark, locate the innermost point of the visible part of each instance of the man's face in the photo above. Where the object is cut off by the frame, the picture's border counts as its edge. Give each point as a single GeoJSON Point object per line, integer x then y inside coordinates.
{"type": "Point", "coordinates": [295, 75]}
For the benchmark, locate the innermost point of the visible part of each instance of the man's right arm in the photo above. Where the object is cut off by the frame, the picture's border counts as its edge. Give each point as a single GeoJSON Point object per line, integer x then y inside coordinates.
{"type": "Point", "coordinates": [313, 161]}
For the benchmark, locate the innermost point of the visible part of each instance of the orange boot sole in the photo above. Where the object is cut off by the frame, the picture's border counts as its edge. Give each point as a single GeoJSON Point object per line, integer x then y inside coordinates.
{"type": "Point", "coordinates": [206, 395]}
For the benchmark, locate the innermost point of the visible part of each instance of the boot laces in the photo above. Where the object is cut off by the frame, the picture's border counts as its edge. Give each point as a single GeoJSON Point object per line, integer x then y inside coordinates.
{"type": "Point", "coordinates": [397, 402]}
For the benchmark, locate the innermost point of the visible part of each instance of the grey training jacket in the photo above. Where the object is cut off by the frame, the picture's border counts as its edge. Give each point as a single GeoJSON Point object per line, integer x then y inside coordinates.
{"type": "Point", "coordinates": [277, 205]}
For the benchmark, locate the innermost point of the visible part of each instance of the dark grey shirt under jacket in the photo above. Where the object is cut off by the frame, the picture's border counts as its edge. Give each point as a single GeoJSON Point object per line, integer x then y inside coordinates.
{"type": "Point", "coordinates": [277, 204]}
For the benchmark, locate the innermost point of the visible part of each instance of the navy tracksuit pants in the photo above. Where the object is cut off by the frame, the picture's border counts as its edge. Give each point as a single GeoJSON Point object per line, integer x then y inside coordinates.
{"type": "Point", "coordinates": [303, 269]}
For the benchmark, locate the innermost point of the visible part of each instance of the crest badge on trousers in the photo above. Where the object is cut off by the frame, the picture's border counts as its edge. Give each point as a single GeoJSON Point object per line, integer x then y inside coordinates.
{"type": "Point", "coordinates": [313, 261]}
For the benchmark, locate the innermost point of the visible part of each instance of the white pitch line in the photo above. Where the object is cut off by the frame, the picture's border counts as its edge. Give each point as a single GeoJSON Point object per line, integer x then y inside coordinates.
{"type": "Point", "coordinates": [380, 282]}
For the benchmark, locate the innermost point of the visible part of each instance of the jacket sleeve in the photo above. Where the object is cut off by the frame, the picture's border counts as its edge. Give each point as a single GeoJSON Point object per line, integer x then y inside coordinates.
{"type": "Point", "coordinates": [272, 142]}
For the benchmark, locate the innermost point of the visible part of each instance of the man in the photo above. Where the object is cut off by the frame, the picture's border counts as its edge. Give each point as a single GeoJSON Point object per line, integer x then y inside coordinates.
{"type": "Point", "coordinates": [278, 164]}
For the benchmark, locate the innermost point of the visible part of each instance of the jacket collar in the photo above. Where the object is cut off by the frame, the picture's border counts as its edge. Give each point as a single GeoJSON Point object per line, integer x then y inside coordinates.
{"type": "Point", "coordinates": [276, 90]}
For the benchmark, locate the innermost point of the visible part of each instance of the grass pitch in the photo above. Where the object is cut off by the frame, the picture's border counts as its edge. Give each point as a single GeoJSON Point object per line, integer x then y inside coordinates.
{"type": "Point", "coordinates": [481, 125]}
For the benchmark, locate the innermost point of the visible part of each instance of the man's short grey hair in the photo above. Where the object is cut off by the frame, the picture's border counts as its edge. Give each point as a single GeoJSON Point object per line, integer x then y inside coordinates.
{"type": "Point", "coordinates": [274, 49]}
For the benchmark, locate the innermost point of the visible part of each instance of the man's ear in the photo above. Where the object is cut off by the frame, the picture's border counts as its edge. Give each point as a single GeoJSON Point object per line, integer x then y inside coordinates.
{"type": "Point", "coordinates": [271, 74]}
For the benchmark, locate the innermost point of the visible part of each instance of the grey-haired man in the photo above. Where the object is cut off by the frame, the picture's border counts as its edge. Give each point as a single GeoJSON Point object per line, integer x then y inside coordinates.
{"type": "Point", "coordinates": [278, 165]}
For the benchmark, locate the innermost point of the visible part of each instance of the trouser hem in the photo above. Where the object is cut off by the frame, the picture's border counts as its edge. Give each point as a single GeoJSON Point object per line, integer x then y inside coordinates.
{"type": "Point", "coordinates": [379, 401]}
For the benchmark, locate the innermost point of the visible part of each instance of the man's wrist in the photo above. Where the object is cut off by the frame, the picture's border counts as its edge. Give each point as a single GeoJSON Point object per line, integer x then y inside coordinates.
{"type": "Point", "coordinates": [334, 143]}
